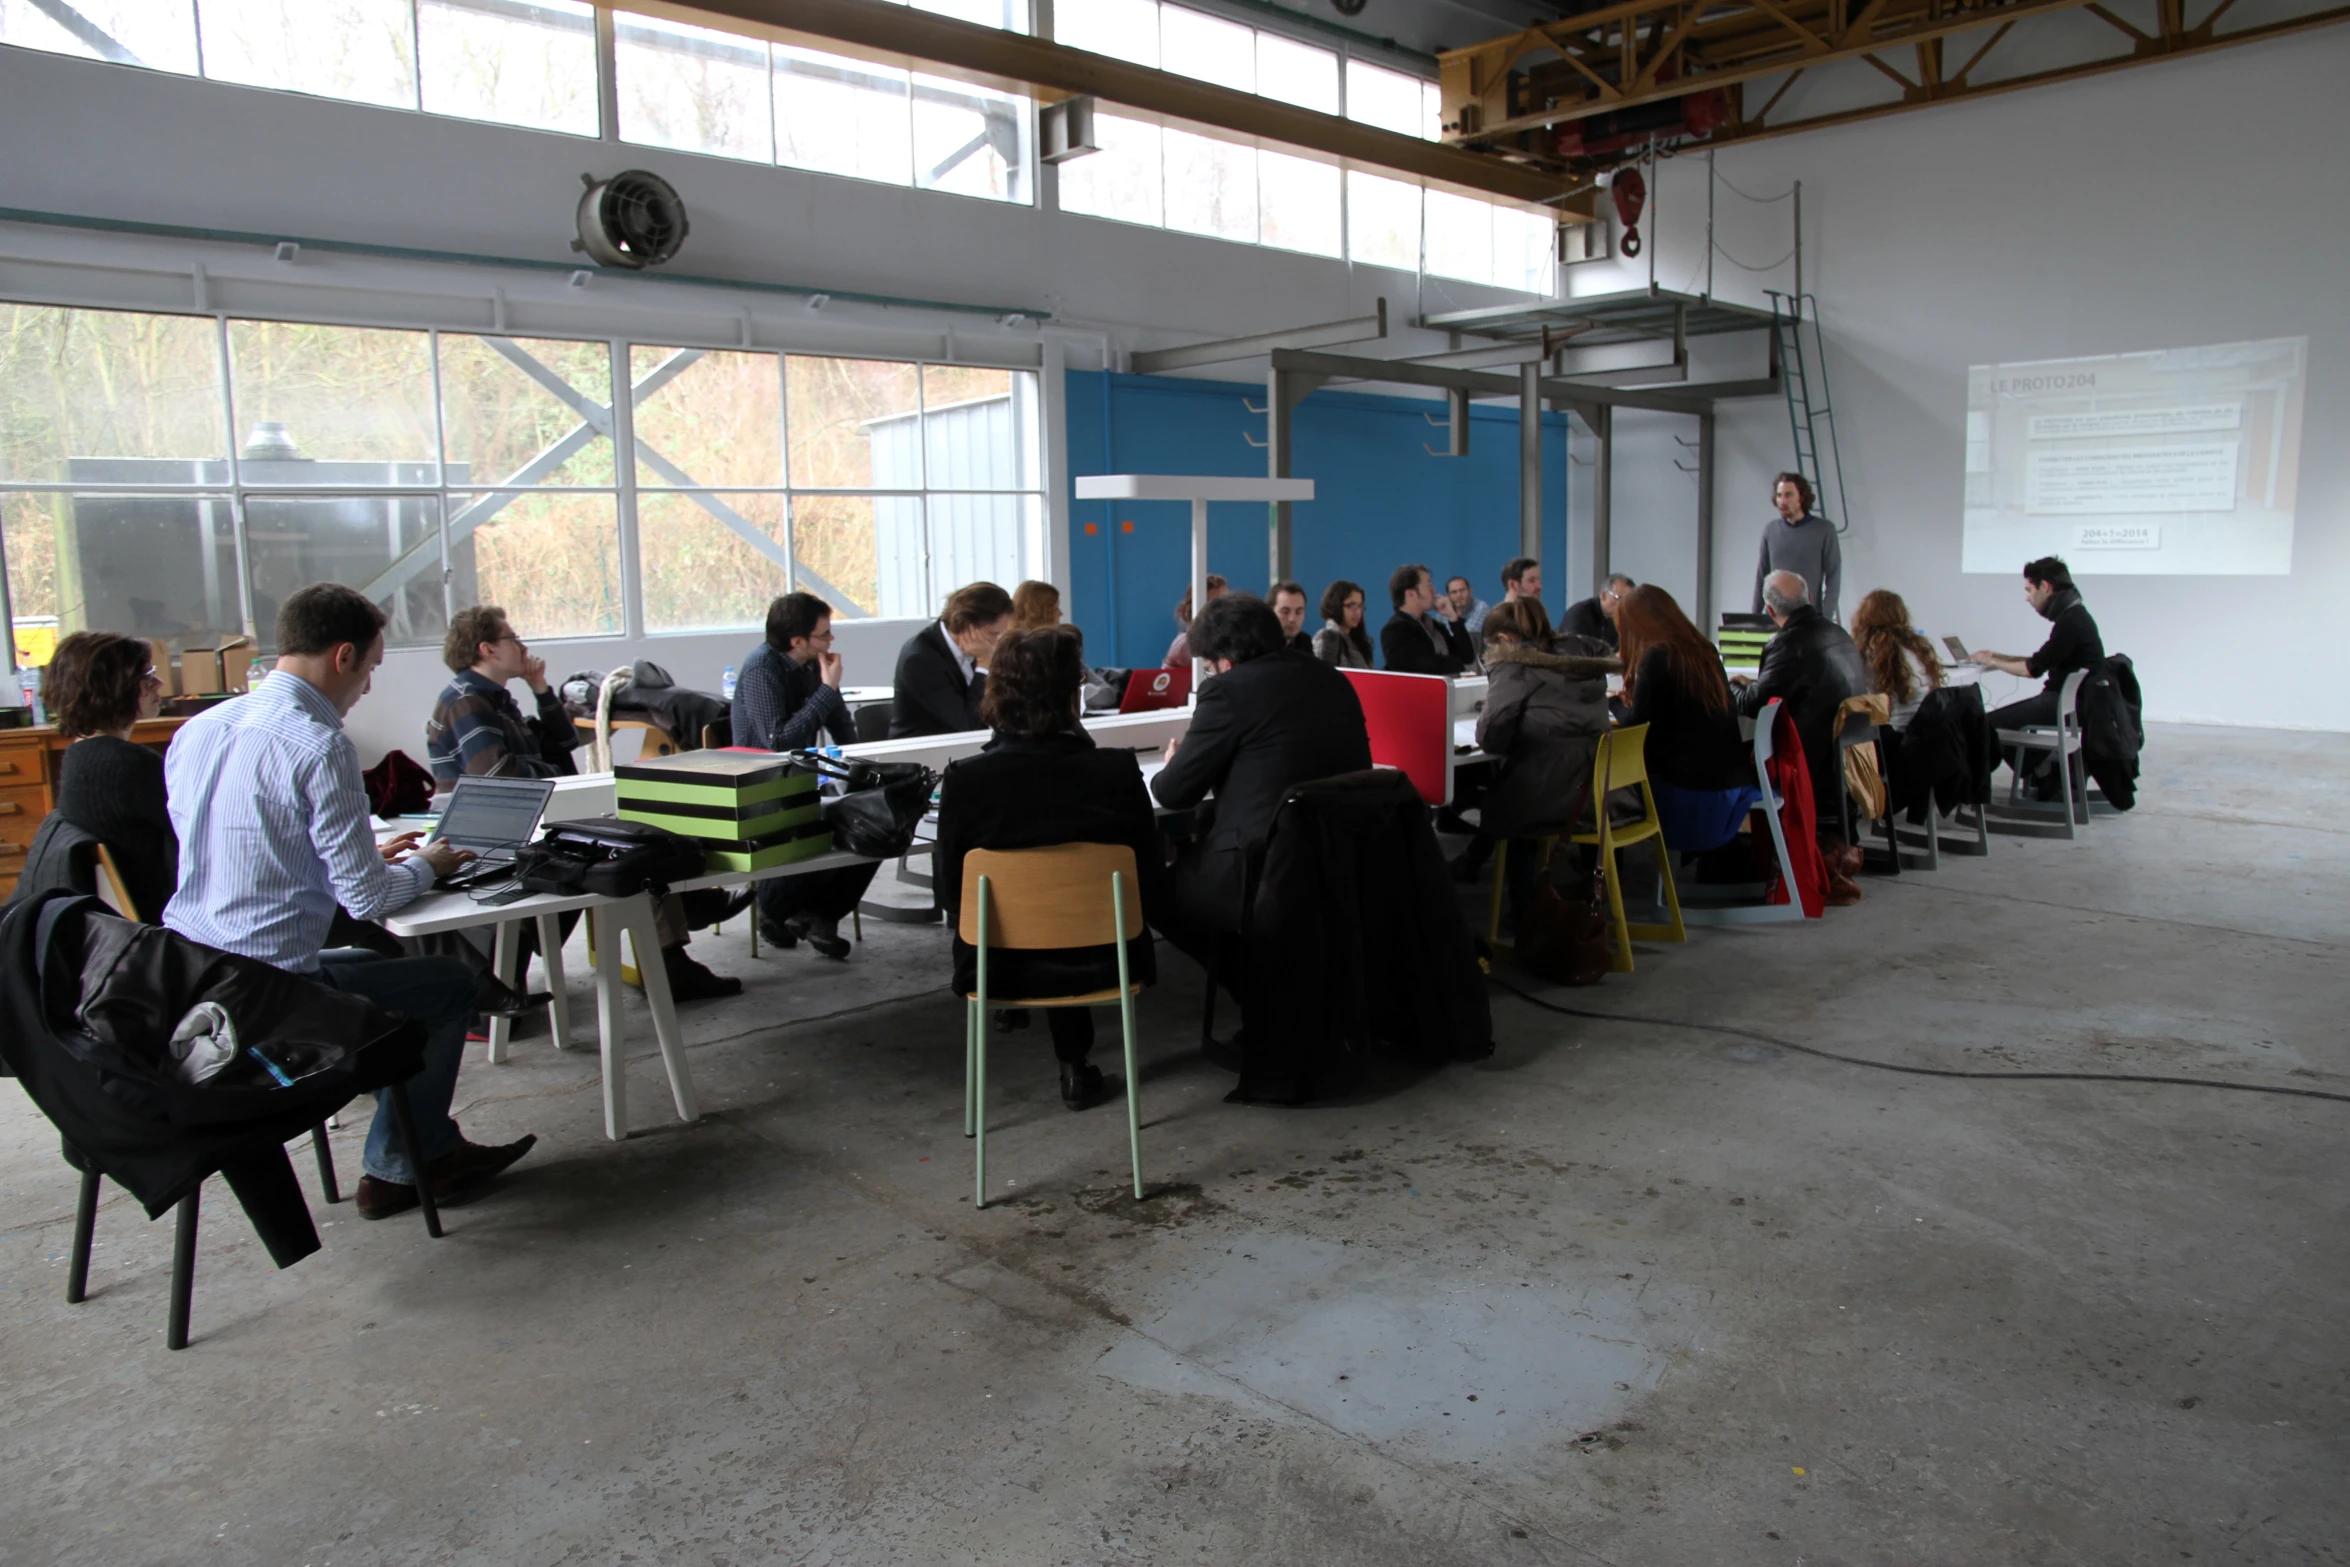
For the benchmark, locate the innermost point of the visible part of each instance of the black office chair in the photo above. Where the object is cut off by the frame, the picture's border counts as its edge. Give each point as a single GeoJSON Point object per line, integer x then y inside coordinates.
{"type": "Point", "coordinates": [873, 722]}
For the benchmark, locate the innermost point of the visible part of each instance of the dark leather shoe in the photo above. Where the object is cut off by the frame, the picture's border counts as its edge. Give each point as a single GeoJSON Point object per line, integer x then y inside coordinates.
{"type": "Point", "coordinates": [1843, 891]}
{"type": "Point", "coordinates": [781, 937]}
{"type": "Point", "coordinates": [453, 1177]}
{"type": "Point", "coordinates": [381, 1199]}
{"type": "Point", "coordinates": [1009, 1018]}
{"type": "Point", "coordinates": [833, 947]}
{"type": "Point", "coordinates": [1084, 1086]}
{"type": "Point", "coordinates": [456, 1174]}
{"type": "Point", "coordinates": [690, 981]}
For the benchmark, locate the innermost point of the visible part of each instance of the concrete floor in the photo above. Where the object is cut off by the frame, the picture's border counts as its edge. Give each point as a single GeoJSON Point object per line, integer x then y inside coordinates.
{"type": "Point", "coordinates": [1625, 1293]}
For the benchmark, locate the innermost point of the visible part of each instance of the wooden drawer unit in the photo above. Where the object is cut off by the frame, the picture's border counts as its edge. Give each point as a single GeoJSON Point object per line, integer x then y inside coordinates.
{"type": "Point", "coordinates": [24, 798]}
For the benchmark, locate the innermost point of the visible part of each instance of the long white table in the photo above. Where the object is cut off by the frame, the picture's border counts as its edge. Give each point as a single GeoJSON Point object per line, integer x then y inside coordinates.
{"type": "Point", "coordinates": [611, 920]}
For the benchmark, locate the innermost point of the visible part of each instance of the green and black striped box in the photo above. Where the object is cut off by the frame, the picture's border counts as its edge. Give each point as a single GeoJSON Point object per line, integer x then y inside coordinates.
{"type": "Point", "coordinates": [738, 802]}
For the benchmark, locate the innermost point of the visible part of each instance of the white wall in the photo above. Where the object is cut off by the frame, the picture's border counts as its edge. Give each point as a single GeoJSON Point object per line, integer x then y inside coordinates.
{"type": "Point", "coordinates": [2197, 201]}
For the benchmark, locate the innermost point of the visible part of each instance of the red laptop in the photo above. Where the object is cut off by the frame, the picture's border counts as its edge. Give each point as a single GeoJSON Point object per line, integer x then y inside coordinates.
{"type": "Point", "coordinates": [1147, 689]}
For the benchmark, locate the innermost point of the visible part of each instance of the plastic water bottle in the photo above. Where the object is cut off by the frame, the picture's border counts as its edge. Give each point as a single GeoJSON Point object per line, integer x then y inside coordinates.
{"type": "Point", "coordinates": [726, 683]}
{"type": "Point", "coordinates": [28, 681]}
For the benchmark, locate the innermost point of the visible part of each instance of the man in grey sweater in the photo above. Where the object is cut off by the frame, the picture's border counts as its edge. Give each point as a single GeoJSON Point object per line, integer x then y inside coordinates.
{"type": "Point", "coordinates": [1797, 541]}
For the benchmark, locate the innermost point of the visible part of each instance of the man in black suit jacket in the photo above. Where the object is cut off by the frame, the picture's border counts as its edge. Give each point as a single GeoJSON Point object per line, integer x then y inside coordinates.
{"type": "Point", "coordinates": [1410, 642]}
{"type": "Point", "coordinates": [1268, 719]}
{"type": "Point", "coordinates": [942, 669]}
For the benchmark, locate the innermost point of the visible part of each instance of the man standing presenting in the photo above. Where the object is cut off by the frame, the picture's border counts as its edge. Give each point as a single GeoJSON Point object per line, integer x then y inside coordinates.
{"type": "Point", "coordinates": [1596, 616]}
{"type": "Point", "coordinates": [1797, 541]}
{"type": "Point", "coordinates": [272, 822]}
{"type": "Point", "coordinates": [1289, 607]}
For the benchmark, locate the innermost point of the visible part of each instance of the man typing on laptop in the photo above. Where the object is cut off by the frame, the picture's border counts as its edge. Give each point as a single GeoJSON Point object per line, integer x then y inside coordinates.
{"type": "Point", "coordinates": [273, 828]}
{"type": "Point", "coordinates": [477, 730]}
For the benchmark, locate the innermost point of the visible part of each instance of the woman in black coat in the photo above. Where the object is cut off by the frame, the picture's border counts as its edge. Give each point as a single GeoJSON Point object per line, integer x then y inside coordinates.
{"type": "Point", "coordinates": [99, 685]}
{"type": "Point", "coordinates": [1041, 781]}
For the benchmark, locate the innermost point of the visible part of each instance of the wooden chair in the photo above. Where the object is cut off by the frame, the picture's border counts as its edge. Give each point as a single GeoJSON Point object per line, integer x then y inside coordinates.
{"type": "Point", "coordinates": [1623, 764]}
{"type": "Point", "coordinates": [1027, 900]}
{"type": "Point", "coordinates": [657, 741]}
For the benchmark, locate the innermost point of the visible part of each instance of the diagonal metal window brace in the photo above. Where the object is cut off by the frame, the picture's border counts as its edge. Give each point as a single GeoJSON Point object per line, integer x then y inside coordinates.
{"type": "Point", "coordinates": [595, 420]}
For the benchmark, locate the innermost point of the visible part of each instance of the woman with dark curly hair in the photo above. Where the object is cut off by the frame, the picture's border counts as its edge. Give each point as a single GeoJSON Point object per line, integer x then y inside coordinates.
{"type": "Point", "coordinates": [1342, 639]}
{"type": "Point", "coordinates": [1042, 781]}
{"type": "Point", "coordinates": [99, 685]}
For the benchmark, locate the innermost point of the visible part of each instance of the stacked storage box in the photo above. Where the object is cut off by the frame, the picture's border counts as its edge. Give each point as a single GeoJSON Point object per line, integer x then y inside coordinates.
{"type": "Point", "coordinates": [1743, 645]}
{"type": "Point", "coordinates": [749, 809]}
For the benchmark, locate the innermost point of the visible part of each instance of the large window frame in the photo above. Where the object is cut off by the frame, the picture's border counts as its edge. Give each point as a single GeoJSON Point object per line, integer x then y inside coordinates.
{"type": "Point", "coordinates": [461, 504]}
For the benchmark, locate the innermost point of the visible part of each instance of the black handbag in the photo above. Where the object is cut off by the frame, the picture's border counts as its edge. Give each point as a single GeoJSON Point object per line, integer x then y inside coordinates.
{"type": "Point", "coordinates": [880, 803]}
{"type": "Point", "coordinates": [607, 858]}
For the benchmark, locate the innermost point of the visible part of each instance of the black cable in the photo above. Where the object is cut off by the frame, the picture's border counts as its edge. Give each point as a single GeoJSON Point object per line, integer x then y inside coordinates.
{"type": "Point", "coordinates": [1917, 1071]}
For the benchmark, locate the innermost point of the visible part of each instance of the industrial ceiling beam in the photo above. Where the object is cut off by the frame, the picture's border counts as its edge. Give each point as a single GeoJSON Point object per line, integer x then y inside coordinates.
{"type": "Point", "coordinates": [1355, 329]}
{"type": "Point", "coordinates": [1792, 45]}
{"type": "Point", "coordinates": [1962, 87]}
{"type": "Point", "coordinates": [1037, 67]}
{"type": "Point", "coordinates": [1581, 395]}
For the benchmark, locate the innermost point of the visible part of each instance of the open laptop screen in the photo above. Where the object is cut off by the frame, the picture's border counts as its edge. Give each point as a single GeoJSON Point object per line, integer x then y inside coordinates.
{"type": "Point", "coordinates": [494, 813]}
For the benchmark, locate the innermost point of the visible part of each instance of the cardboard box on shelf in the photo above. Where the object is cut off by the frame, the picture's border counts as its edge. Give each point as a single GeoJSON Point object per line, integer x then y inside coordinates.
{"type": "Point", "coordinates": [209, 670]}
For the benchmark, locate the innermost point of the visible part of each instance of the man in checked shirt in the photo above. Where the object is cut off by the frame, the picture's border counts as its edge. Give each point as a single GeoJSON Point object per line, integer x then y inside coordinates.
{"type": "Point", "coordinates": [477, 727]}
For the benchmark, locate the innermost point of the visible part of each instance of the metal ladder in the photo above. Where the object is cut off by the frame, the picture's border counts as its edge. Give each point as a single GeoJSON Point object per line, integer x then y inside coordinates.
{"type": "Point", "coordinates": [1808, 422]}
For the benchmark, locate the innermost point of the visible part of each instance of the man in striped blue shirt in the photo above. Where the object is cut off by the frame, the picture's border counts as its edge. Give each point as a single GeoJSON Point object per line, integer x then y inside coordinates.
{"type": "Point", "coordinates": [273, 827]}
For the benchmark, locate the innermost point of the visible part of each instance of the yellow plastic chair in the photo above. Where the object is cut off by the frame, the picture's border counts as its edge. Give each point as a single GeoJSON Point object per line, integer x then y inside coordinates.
{"type": "Point", "coordinates": [1623, 763]}
{"type": "Point", "coordinates": [1026, 900]}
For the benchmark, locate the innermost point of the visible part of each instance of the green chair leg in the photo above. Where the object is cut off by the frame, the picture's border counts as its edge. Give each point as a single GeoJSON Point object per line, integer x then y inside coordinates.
{"type": "Point", "coordinates": [970, 1060]}
{"type": "Point", "coordinates": [979, 1064]}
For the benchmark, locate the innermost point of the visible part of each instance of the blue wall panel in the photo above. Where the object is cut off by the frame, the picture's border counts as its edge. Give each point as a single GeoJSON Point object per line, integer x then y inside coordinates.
{"type": "Point", "coordinates": [1380, 499]}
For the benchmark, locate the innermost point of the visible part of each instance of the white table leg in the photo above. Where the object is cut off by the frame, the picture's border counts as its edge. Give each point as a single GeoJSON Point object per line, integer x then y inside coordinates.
{"type": "Point", "coordinates": [604, 934]}
{"type": "Point", "coordinates": [505, 945]}
{"type": "Point", "coordinates": [649, 967]}
{"type": "Point", "coordinates": [551, 954]}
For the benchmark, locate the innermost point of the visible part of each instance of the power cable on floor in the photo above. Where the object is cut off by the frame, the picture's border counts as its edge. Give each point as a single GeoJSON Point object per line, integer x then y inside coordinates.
{"type": "Point", "coordinates": [1916, 1071]}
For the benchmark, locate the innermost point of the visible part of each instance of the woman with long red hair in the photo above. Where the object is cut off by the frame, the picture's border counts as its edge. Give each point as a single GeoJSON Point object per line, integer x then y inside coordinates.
{"type": "Point", "coordinates": [1673, 682]}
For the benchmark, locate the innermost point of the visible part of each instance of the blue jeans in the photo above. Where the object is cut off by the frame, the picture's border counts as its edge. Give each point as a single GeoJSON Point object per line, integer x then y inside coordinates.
{"type": "Point", "coordinates": [437, 992]}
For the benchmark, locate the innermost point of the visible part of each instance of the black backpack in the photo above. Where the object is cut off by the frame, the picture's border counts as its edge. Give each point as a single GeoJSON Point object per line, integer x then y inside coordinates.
{"type": "Point", "coordinates": [607, 857]}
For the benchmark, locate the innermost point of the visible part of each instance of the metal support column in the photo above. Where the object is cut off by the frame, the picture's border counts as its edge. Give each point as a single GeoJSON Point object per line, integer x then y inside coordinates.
{"type": "Point", "coordinates": [1603, 483]}
{"type": "Point", "coordinates": [1530, 459]}
{"type": "Point", "coordinates": [1705, 523]}
{"type": "Point", "coordinates": [1279, 392]}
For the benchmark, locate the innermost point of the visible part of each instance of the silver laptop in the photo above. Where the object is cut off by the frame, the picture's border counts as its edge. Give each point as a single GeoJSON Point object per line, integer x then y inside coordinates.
{"type": "Point", "coordinates": [493, 817]}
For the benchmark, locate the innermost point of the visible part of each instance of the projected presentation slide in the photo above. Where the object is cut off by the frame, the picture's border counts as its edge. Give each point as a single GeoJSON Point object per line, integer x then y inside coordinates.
{"type": "Point", "coordinates": [2176, 461]}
